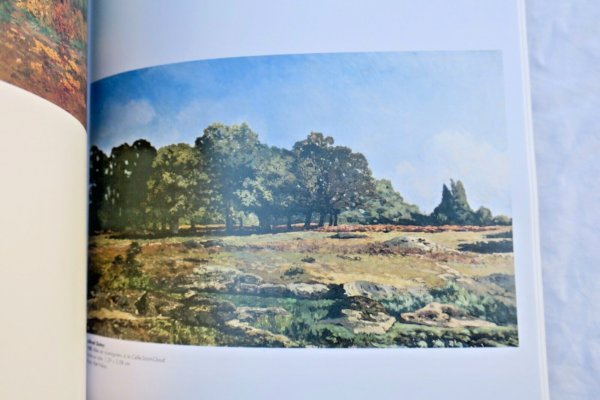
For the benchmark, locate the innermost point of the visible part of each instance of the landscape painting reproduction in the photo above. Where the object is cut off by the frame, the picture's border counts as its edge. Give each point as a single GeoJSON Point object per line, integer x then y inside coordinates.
{"type": "Point", "coordinates": [345, 200]}
{"type": "Point", "coordinates": [43, 49]}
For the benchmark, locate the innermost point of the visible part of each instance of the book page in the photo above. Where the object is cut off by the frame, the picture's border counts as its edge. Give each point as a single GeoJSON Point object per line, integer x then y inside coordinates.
{"type": "Point", "coordinates": [335, 199]}
{"type": "Point", "coordinates": [43, 68]}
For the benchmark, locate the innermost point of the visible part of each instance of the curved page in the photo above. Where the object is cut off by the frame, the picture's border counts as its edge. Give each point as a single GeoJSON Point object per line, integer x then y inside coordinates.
{"type": "Point", "coordinates": [43, 66]}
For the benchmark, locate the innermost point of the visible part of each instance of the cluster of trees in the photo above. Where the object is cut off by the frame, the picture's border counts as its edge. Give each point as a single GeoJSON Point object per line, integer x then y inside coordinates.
{"type": "Point", "coordinates": [229, 176]}
{"type": "Point", "coordinates": [455, 210]}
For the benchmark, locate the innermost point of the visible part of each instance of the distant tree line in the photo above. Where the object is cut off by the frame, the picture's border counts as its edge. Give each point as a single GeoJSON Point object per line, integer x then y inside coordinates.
{"type": "Point", "coordinates": [228, 176]}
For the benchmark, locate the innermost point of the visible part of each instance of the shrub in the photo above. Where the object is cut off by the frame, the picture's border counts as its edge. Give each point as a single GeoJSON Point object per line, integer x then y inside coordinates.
{"type": "Point", "coordinates": [502, 246]}
{"type": "Point", "coordinates": [125, 272]}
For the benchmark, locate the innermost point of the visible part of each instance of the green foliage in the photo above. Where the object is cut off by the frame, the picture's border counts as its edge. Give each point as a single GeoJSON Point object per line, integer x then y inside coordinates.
{"type": "Point", "coordinates": [98, 186]}
{"type": "Point", "coordinates": [270, 190]}
{"type": "Point", "coordinates": [454, 209]}
{"type": "Point", "coordinates": [386, 207]}
{"type": "Point", "coordinates": [174, 186]}
{"type": "Point", "coordinates": [331, 179]}
{"type": "Point", "coordinates": [125, 272]}
{"type": "Point", "coordinates": [502, 220]}
{"type": "Point", "coordinates": [230, 176]}
{"type": "Point", "coordinates": [483, 217]}
{"type": "Point", "coordinates": [501, 246]}
{"type": "Point", "coordinates": [304, 325]}
{"type": "Point", "coordinates": [483, 307]}
{"type": "Point", "coordinates": [6, 9]}
{"type": "Point", "coordinates": [229, 157]}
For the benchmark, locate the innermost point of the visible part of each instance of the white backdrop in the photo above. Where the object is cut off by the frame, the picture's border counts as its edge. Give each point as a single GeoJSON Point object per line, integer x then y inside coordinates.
{"type": "Point", "coordinates": [564, 47]}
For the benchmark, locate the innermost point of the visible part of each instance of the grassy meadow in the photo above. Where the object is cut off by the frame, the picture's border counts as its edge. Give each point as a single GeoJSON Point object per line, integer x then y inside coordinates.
{"type": "Point", "coordinates": [329, 287]}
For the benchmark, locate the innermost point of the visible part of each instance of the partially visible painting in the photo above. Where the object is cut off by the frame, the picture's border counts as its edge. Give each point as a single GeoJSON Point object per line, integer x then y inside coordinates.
{"type": "Point", "coordinates": [43, 49]}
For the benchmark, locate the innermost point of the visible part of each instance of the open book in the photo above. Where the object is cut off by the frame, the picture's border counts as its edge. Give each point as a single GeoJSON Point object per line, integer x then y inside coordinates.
{"type": "Point", "coordinates": [295, 199]}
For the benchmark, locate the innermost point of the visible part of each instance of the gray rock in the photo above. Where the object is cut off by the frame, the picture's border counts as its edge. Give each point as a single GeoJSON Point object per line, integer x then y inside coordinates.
{"type": "Point", "coordinates": [197, 244]}
{"type": "Point", "coordinates": [245, 288]}
{"type": "Point", "coordinates": [155, 304]}
{"type": "Point", "coordinates": [204, 311]}
{"type": "Point", "coordinates": [259, 337]}
{"type": "Point", "coordinates": [371, 290]}
{"type": "Point", "coordinates": [220, 279]}
{"type": "Point", "coordinates": [505, 281]}
{"type": "Point", "coordinates": [312, 291]}
{"type": "Point", "coordinates": [273, 290]}
{"type": "Point", "coordinates": [411, 242]}
{"type": "Point", "coordinates": [444, 316]}
{"type": "Point", "coordinates": [360, 315]}
{"type": "Point", "coordinates": [252, 313]}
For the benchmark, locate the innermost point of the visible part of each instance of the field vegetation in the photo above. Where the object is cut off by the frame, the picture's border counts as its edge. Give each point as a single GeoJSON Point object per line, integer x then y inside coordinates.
{"type": "Point", "coordinates": [396, 280]}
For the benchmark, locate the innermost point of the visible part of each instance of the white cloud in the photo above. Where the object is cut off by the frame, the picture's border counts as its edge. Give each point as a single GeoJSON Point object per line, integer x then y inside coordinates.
{"type": "Point", "coordinates": [483, 168]}
{"type": "Point", "coordinates": [195, 116]}
{"type": "Point", "coordinates": [123, 117]}
{"type": "Point", "coordinates": [405, 168]}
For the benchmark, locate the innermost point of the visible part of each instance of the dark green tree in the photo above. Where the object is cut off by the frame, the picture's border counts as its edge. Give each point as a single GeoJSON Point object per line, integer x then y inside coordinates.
{"type": "Point", "coordinates": [349, 183]}
{"type": "Point", "coordinates": [454, 208]}
{"type": "Point", "coordinates": [174, 184]}
{"type": "Point", "coordinates": [230, 155]}
{"type": "Point", "coordinates": [331, 178]}
{"type": "Point", "coordinates": [98, 182]}
{"type": "Point", "coordinates": [312, 156]}
{"type": "Point", "coordinates": [387, 206]}
{"type": "Point", "coordinates": [483, 217]}
{"type": "Point", "coordinates": [270, 192]}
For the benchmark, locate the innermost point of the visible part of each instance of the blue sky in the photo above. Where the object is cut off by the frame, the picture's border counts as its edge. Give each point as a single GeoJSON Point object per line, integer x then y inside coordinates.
{"type": "Point", "coordinates": [419, 118]}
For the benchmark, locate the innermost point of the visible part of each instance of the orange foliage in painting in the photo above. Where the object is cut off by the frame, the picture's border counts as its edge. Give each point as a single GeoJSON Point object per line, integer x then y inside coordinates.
{"type": "Point", "coordinates": [43, 49]}
{"type": "Point", "coordinates": [68, 21]}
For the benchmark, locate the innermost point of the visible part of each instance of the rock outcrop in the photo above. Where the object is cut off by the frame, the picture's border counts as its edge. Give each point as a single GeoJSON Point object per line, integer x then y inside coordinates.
{"type": "Point", "coordinates": [252, 313]}
{"type": "Point", "coordinates": [124, 300]}
{"type": "Point", "coordinates": [444, 316]}
{"type": "Point", "coordinates": [371, 290]}
{"type": "Point", "coordinates": [205, 311]}
{"type": "Point", "coordinates": [154, 304]}
{"type": "Point", "coordinates": [259, 337]}
{"type": "Point", "coordinates": [312, 291]}
{"type": "Point", "coordinates": [197, 244]}
{"type": "Point", "coordinates": [219, 279]}
{"type": "Point", "coordinates": [411, 243]}
{"type": "Point", "coordinates": [360, 315]}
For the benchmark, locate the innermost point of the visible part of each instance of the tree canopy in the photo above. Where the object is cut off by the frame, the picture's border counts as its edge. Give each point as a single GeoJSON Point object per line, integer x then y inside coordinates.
{"type": "Point", "coordinates": [228, 176]}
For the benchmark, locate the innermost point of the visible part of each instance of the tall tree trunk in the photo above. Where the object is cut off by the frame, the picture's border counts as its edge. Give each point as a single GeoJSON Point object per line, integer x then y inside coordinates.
{"type": "Point", "coordinates": [289, 222]}
{"type": "Point", "coordinates": [175, 225]}
{"type": "Point", "coordinates": [335, 219]}
{"type": "Point", "coordinates": [263, 223]}
{"type": "Point", "coordinates": [322, 219]}
{"type": "Point", "coordinates": [228, 220]}
{"type": "Point", "coordinates": [241, 220]}
{"type": "Point", "coordinates": [330, 219]}
{"type": "Point", "coordinates": [193, 224]}
{"type": "Point", "coordinates": [307, 220]}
